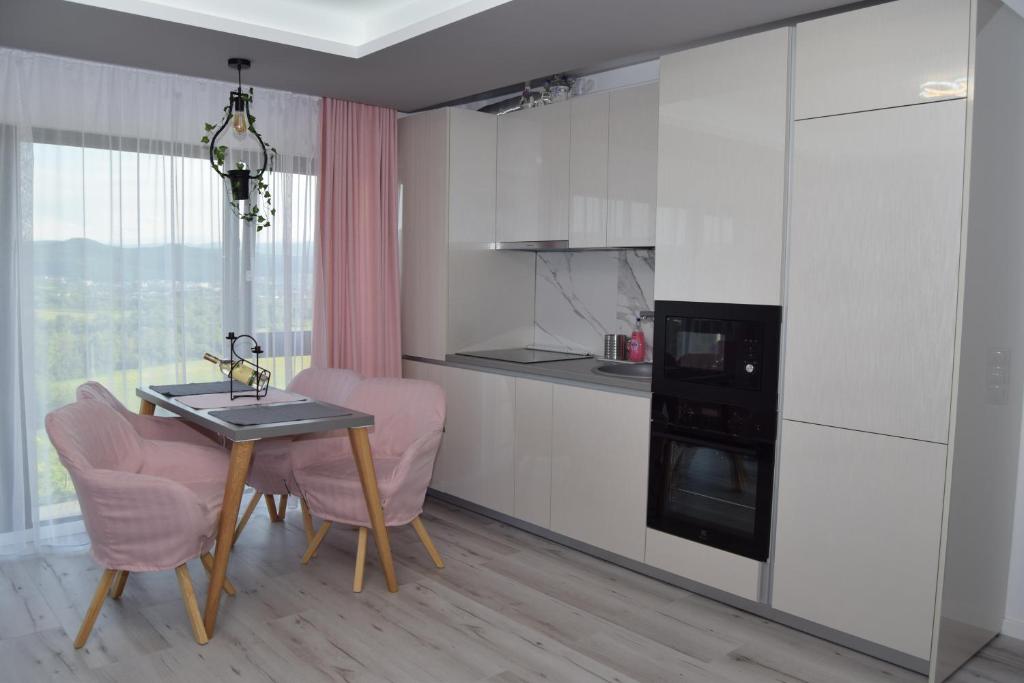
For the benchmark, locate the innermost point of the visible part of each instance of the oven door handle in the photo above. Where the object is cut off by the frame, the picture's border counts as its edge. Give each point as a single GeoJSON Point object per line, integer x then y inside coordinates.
{"type": "Point", "coordinates": [725, 444]}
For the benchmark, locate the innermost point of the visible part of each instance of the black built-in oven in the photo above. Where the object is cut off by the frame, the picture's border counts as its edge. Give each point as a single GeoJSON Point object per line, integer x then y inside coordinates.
{"type": "Point", "coordinates": [713, 424]}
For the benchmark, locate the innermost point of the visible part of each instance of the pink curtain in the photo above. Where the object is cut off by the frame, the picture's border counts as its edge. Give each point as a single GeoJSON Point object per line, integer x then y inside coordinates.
{"type": "Point", "coordinates": [356, 302]}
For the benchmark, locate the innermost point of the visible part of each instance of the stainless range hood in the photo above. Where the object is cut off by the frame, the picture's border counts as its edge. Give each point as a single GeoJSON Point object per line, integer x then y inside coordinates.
{"type": "Point", "coordinates": [542, 245]}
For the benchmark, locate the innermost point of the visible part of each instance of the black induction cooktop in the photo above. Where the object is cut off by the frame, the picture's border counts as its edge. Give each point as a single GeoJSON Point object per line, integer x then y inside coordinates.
{"type": "Point", "coordinates": [525, 355]}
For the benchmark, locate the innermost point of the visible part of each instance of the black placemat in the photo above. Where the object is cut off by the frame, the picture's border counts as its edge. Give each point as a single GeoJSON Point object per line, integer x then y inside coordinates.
{"type": "Point", "coordinates": [197, 388]}
{"type": "Point", "coordinates": [292, 412]}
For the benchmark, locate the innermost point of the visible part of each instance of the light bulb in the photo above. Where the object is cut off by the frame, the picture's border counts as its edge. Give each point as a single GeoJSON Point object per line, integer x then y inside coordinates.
{"type": "Point", "coordinates": [239, 124]}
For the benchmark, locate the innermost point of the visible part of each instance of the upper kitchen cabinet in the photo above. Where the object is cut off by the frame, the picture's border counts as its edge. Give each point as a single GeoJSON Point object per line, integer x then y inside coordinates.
{"type": "Point", "coordinates": [613, 168]}
{"type": "Point", "coordinates": [533, 174]}
{"type": "Point", "coordinates": [632, 165]}
{"type": "Point", "coordinates": [457, 293]}
{"type": "Point", "coordinates": [722, 126]}
{"type": "Point", "coordinates": [874, 247]}
{"type": "Point", "coordinates": [588, 171]}
{"type": "Point", "coordinates": [887, 55]}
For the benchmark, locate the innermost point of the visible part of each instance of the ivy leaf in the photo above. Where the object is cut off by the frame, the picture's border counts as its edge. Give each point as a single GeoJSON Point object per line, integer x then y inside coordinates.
{"type": "Point", "coordinates": [205, 139]}
{"type": "Point", "coordinates": [208, 127]}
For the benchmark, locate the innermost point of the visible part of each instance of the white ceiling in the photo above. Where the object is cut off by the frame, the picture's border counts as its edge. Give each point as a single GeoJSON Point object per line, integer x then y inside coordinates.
{"type": "Point", "coordinates": [350, 28]}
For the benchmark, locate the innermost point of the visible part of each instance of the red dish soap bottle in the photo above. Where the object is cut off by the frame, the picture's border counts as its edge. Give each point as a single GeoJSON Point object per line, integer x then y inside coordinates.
{"type": "Point", "coordinates": [637, 346]}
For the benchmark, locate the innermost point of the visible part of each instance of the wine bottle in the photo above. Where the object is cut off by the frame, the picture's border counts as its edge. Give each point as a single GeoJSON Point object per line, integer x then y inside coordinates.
{"type": "Point", "coordinates": [241, 372]}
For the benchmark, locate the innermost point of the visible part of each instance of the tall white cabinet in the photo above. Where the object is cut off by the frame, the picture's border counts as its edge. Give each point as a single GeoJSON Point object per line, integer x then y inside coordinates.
{"type": "Point", "coordinates": [901, 428]}
{"type": "Point", "coordinates": [857, 540]}
{"type": "Point", "coordinates": [874, 247]}
{"type": "Point", "coordinates": [721, 171]}
{"type": "Point", "coordinates": [457, 293]}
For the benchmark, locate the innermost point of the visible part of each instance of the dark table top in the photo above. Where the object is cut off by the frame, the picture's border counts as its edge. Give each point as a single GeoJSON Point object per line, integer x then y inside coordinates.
{"type": "Point", "coordinates": [234, 432]}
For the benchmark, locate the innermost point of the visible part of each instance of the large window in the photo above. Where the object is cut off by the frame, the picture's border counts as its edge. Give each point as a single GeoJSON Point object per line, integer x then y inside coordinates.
{"type": "Point", "coordinates": [135, 274]}
{"type": "Point", "coordinates": [120, 258]}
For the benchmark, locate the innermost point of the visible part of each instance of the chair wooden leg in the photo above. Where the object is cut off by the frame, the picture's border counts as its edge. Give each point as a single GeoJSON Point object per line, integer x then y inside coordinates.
{"type": "Point", "coordinates": [315, 543]}
{"type": "Point", "coordinates": [282, 506]}
{"type": "Point", "coordinates": [188, 594]}
{"type": "Point", "coordinates": [271, 507]}
{"type": "Point", "coordinates": [246, 515]}
{"type": "Point", "coordinates": [207, 560]}
{"type": "Point", "coordinates": [118, 586]}
{"type": "Point", "coordinates": [94, 608]}
{"type": "Point", "coordinates": [307, 519]}
{"type": "Point", "coordinates": [357, 578]}
{"type": "Point", "coordinates": [421, 531]}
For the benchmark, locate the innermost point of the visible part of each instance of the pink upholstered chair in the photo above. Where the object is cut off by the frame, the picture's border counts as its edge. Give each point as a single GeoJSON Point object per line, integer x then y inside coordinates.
{"type": "Point", "coordinates": [273, 459]}
{"type": "Point", "coordinates": [147, 505]}
{"type": "Point", "coordinates": [148, 426]}
{"type": "Point", "coordinates": [408, 423]}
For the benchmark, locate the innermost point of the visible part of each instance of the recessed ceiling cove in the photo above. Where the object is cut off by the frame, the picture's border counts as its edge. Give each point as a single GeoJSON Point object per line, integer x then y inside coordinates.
{"type": "Point", "coordinates": [350, 28]}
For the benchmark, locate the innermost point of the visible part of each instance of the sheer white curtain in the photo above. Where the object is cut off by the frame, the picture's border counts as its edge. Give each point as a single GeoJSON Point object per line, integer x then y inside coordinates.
{"type": "Point", "coordinates": [121, 257]}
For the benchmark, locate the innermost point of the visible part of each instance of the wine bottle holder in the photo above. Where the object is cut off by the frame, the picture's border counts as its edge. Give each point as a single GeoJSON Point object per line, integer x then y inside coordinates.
{"type": "Point", "coordinates": [260, 390]}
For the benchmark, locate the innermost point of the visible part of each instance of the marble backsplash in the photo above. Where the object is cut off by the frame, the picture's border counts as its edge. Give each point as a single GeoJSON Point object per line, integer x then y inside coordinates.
{"type": "Point", "coordinates": [583, 295]}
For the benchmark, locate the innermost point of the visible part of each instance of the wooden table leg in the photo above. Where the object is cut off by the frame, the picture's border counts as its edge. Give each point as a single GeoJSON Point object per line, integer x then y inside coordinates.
{"type": "Point", "coordinates": [238, 469]}
{"type": "Point", "coordinates": [360, 439]}
{"type": "Point", "coordinates": [146, 408]}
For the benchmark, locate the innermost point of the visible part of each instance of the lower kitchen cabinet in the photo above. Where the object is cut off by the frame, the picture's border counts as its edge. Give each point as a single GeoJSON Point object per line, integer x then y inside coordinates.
{"type": "Point", "coordinates": [599, 468]}
{"type": "Point", "coordinates": [475, 462]}
{"type": "Point", "coordinates": [701, 563]}
{"type": "Point", "coordinates": [565, 458]}
{"type": "Point", "coordinates": [857, 533]}
{"type": "Point", "coordinates": [534, 420]}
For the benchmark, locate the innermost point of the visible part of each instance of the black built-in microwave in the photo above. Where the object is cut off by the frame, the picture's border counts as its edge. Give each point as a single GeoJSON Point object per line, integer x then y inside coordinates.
{"type": "Point", "coordinates": [717, 352]}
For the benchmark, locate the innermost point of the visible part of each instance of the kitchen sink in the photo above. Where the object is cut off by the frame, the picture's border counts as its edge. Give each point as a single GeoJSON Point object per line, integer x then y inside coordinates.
{"type": "Point", "coordinates": [632, 370]}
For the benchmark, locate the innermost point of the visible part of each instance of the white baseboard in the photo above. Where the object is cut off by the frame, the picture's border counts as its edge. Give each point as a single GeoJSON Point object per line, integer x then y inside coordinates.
{"type": "Point", "coordinates": [1013, 627]}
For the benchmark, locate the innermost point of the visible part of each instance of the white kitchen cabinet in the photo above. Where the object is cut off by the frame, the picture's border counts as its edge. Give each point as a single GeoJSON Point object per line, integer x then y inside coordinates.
{"type": "Point", "coordinates": [857, 533]}
{"type": "Point", "coordinates": [534, 420]}
{"type": "Point", "coordinates": [533, 174]}
{"type": "Point", "coordinates": [457, 293]}
{"type": "Point", "coordinates": [704, 564]}
{"type": "Point", "coordinates": [476, 459]}
{"type": "Point", "coordinates": [599, 469]}
{"type": "Point", "coordinates": [874, 248]}
{"type": "Point", "coordinates": [588, 171]}
{"type": "Point", "coordinates": [423, 174]}
{"type": "Point", "coordinates": [888, 55]}
{"type": "Point", "coordinates": [632, 165]}
{"type": "Point", "coordinates": [723, 121]}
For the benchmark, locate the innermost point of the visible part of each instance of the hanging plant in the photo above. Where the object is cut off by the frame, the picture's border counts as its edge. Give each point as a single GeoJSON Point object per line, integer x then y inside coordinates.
{"type": "Point", "coordinates": [243, 181]}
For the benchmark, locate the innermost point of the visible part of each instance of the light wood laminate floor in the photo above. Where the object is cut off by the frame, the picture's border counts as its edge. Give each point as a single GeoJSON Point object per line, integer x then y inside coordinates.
{"type": "Point", "coordinates": [509, 607]}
